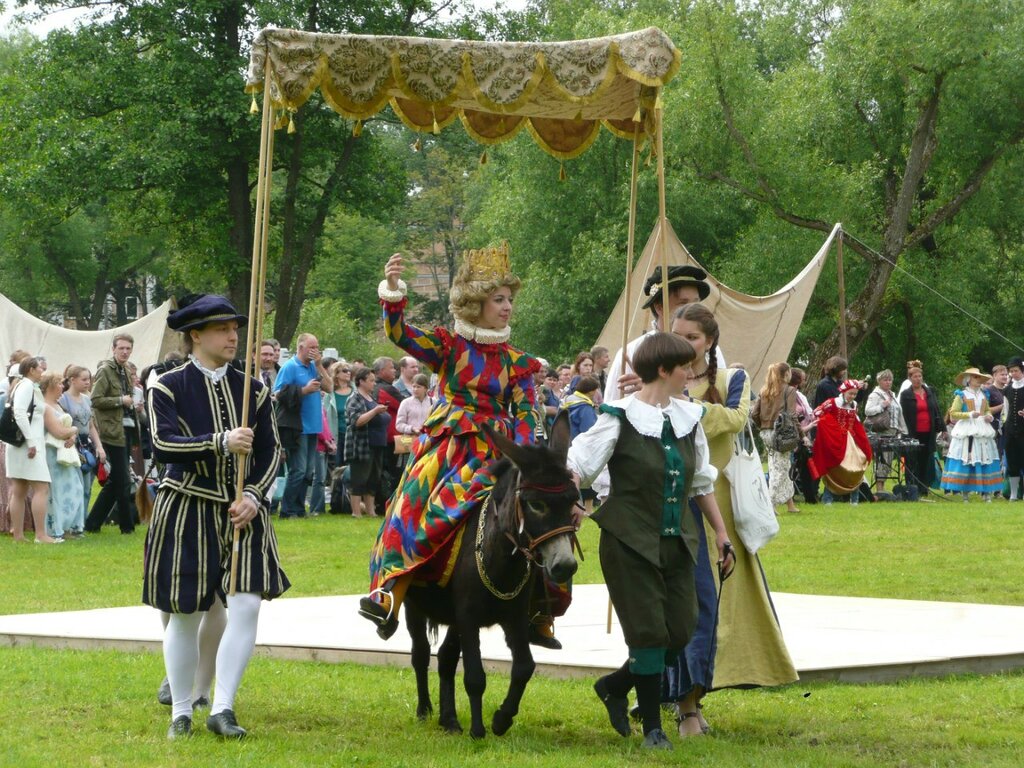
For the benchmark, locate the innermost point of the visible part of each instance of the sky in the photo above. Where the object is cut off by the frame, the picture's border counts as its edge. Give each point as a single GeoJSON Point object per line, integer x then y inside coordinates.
{"type": "Point", "coordinates": [68, 18]}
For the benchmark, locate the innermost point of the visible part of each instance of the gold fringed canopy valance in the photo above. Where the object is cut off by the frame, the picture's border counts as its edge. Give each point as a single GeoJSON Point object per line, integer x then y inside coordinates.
{"type": "Point", "coordinates": [562, 93]}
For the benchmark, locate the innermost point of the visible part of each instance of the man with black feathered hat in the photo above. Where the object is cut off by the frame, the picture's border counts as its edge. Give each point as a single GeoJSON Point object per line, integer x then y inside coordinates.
{"type": "Point", "coordinates": [687, 284]}
{"type": "Point", "coordinates": [196, 413]}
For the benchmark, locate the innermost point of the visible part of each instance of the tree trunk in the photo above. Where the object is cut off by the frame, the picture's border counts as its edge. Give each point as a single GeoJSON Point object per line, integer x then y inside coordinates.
{"type": "Point", "coordinates": [227, 22]}
{"type": "Point", "coordinates": [299, 255]}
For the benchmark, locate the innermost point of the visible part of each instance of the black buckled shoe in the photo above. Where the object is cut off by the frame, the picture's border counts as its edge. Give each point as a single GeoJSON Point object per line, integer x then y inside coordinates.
{"type": "Point", "coordinates": [618, 708]}
{"type": "Point", "coordinates": [224, 724]}
{"type": "Point", "coordinates": [543, 635]}
{"type": "Point", "coordinates": [657, 739]}
{"type": "Point", "coordinates": [181, 728]}
{"type": "Point", "coordinates": [379, 614]}
{"type": "Point", "coordinates": [163, 694]}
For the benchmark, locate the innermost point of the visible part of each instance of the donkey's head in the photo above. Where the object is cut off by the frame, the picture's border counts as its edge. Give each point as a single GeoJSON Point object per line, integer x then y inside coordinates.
{"type": "Point", "coordinates": [546, 500]}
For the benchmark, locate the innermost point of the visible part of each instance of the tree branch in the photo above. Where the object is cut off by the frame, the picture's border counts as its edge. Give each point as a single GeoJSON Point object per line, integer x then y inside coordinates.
{"type": "Point", "coordinates": [922, 147]}
{"type": "Point", "coordinates": [970, 186]}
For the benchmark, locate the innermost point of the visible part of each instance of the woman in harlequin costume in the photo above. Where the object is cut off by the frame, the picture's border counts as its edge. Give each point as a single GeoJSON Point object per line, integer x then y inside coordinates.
{"type": "Point", "coordinates": [972, 462]}
{"type": "Point", "coordinates": [841, 449]}
{"type": "Point", "coordinates": [481, 379]}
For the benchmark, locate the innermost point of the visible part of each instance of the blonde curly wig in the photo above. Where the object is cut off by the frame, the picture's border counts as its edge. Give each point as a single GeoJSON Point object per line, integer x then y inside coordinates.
{"type": "Point", "coordinates": [473, 284]}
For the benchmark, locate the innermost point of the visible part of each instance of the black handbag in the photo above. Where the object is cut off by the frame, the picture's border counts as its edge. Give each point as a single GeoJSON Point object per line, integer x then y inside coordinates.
{"type": "Point", "coordinates": [10, 432]}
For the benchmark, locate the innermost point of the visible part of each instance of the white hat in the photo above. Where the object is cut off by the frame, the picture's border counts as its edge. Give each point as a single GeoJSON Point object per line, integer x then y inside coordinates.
{"type": "Point", "coordinates": [14, 372]}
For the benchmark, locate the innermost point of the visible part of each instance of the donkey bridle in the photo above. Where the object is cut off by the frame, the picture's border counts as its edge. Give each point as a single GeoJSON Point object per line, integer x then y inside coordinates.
{"type": "Point", "coordinates": [527, 551]}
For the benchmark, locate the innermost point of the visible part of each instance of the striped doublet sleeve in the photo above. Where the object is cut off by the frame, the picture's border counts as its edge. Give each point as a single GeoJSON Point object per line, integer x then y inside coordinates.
{"type": "Point", "coordinates": [171, 441]}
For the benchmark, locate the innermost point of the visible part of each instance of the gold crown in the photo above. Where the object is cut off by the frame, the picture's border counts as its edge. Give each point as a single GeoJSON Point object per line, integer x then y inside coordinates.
{"type": "Point", "coordinates": [488, 263]}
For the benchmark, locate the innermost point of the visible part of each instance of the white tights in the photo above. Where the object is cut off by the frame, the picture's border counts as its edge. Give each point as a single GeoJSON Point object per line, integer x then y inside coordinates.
{"type": "Point", "coordinates": [210, 631]}
{"type": "Point", "coordinates": [182, 655]}
{"type": "Point", "coordinates": [235, 648]}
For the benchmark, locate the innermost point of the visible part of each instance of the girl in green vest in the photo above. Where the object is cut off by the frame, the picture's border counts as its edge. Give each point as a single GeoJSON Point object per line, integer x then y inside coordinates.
{"type": "Point", "coordinates": [649, 541]}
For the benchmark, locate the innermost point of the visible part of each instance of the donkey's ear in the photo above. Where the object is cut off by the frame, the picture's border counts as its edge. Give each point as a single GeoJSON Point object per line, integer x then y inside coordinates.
{"type": "Point", "coordinates": [507, 447]}
{"type": "Point", "coordinates": [560, 435]}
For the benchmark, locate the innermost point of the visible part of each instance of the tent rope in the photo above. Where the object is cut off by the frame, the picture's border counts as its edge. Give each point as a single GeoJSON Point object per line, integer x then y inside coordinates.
{"type": "Point", "coordinates": [923, 284]}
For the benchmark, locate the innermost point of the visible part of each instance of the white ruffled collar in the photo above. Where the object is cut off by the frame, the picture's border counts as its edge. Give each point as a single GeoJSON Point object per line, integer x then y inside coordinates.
{"type": "Point", "coordinates": [214, 374]}
{"type": "Point", "coordinates": [648, 420]}
{"type": "Point", "coordinates": [482, 335]}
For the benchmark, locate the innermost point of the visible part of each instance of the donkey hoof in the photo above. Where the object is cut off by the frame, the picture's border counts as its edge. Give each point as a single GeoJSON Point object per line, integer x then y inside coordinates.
{"type": "Point", "coordinates": [477, 733]}
{"type": "Point", "coordinates": [450, 726]}
{"type": "Point", "coordinates": [501, 723]}
{"type": "Point", "coordinates": [423, 712]}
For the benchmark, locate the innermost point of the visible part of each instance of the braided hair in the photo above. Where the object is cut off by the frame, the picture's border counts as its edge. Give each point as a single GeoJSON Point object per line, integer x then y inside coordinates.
{"type": "Point", "coordinates": [705, 320]}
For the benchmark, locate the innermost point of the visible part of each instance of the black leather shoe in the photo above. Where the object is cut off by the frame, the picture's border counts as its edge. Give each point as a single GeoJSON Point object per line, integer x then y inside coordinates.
{"type": "Point", "coordinates": [538, 638]}
{"type": "Point", "coordinates": [201, 703]}
{"type": "Point", "coordinates": [224, 724]}
{"type": "Point", "coordinates": [657, 739]}
{"type": "Point", "coordinates": [618, 708]}
{"type": "Point", "coordinates": [387, 623]}
{"type": "Point", "coordinates": [181, 728]}
{"type": "Point", "coordinates": [163, 695]}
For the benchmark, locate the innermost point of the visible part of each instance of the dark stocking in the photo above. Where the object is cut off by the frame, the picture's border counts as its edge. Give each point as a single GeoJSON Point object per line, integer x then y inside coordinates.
{"type": "Point", "coordinates": [648, 698]}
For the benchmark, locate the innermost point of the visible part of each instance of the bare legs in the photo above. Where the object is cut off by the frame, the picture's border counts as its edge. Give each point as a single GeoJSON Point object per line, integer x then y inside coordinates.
{"type": "Point", "coordinates": [694, 724]}
{"type": "Point", "coordinates": [40, 493]}
{"type": "Point", "coordinates": [362, 505]}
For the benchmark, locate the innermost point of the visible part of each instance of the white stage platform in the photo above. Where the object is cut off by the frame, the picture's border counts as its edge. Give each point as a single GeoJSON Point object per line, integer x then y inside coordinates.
{"type": "Point", "coordinates": [830, 638]}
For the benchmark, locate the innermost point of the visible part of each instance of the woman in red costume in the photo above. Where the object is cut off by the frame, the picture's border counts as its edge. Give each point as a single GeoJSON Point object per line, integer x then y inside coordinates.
{"type": "Point", "coordinates": [841, 449]}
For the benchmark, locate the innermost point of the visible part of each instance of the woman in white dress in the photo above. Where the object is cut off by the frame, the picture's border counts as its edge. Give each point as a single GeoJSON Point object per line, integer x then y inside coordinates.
{"type": "Point", "coordinates": [26, 463]}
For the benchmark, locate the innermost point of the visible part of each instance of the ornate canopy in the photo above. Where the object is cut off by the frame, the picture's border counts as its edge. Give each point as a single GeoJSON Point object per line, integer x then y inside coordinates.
{"type": "Point", "coordinates": [561, 92]}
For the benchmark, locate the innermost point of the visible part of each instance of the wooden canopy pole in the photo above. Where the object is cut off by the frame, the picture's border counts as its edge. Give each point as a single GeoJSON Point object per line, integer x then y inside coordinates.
{"type": "Point", "coordinates": [627, 309]}
{"type": "Point", "coordinates": [666, 321]}
{"type": "Point", "coordinates": [841, 280]}
{"type": "Point", "coordinates": [257, 282]}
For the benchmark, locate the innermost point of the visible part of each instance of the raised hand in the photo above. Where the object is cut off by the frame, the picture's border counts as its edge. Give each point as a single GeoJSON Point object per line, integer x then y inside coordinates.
{"type": "Point", "coordinates": [393, 271]}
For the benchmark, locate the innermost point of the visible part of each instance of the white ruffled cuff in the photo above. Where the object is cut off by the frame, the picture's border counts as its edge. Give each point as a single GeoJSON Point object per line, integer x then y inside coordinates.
{"type": "Point", "coordinates": [386, 294]}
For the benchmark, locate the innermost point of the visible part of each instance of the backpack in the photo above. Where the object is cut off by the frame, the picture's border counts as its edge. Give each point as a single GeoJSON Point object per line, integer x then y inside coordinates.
{"type": "Point", "coordinates": [785, 430]}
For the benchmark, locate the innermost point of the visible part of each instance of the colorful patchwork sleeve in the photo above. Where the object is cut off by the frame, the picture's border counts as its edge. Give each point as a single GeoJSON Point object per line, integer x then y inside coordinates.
{"type": "Point", "coordinates": [425, 346]}
{"type": "Point", "coordinates": [524, 398]}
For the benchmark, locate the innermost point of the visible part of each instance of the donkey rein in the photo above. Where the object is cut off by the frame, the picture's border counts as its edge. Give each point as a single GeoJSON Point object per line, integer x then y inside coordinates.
{"type": "Point", "coordinates": [482, 570]}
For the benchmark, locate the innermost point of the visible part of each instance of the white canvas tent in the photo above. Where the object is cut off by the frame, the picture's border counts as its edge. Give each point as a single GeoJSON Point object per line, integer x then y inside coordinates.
{"type": "Point", "coordinates": [64, 346]}
{"type": "Point", "coordinates": [756, 330]}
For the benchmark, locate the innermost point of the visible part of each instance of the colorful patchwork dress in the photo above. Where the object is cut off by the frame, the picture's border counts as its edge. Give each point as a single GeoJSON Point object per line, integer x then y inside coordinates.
{"type": "Point", "coordinates": [451, 468]}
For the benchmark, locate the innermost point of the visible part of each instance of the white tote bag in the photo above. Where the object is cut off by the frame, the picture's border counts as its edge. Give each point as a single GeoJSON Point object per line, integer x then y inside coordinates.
{"type": "Point", "coordinates": [752, 509]}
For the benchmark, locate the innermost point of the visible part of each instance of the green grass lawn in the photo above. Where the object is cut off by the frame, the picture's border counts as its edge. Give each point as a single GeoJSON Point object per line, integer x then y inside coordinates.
{"type": "Point", "coordinates": [98, 708]}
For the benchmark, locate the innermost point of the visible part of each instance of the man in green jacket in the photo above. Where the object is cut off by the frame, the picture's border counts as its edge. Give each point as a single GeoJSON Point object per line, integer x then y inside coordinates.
{"type": "Point", "coordinates": [114, 411]}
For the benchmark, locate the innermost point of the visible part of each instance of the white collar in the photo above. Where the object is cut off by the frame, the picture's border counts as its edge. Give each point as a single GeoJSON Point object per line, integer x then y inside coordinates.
{"type": "Point", "coordinates": [483, 335]}
{"type": "Point", "coordinates": [1016, 384]}
{"type": "Point", "coordinates": [214, 375]}
{"type": "Point", "coordinates": [649, 419]}
{"type": "Point", "coordinates": [841, 403]}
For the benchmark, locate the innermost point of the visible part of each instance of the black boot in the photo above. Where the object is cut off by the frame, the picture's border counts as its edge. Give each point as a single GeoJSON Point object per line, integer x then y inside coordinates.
{"type": "Point", "coordinates": [181, 728]}
{"type": "Point", "coordinates": [612, 690]}
{"type": "Point", "coordinates": [224, 724]}
{"type": "Point", "coordinates": [380, 614]}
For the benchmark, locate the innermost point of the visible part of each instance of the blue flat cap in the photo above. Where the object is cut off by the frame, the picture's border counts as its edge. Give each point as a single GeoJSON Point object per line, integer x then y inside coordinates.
{"type": "Point", "coordinates": [197, 311]}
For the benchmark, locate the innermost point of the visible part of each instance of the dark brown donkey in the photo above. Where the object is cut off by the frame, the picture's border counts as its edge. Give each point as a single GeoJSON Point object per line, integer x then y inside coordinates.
{"type": "Point", "coordinates": [525, 527]}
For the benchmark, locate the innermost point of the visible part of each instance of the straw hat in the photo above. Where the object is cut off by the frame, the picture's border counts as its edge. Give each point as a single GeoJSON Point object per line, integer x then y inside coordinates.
{"type": "Point", "coordinates": [970, 373]}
